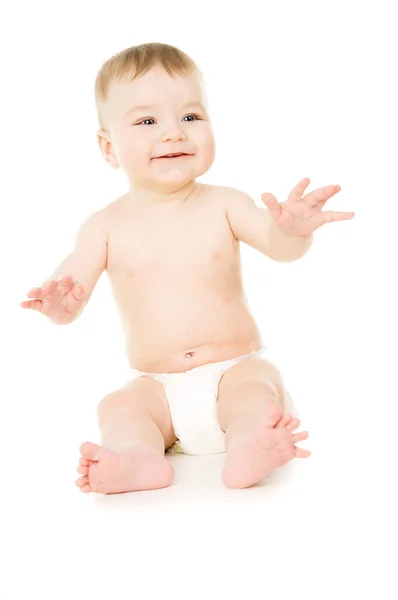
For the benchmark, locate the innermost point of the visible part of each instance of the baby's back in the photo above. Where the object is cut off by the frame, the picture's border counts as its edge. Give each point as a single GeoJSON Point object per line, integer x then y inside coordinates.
{"type": "Point", "coordinates": [175, 273]}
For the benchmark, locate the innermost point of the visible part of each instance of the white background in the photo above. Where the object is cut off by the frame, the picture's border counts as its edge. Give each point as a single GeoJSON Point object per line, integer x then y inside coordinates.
{"type": "Point", "coordinates": [296, 90]}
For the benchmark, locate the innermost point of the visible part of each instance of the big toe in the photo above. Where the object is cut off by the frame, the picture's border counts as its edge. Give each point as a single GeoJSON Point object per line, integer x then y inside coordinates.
{"type": "Point", "coordinates": [90, 451]}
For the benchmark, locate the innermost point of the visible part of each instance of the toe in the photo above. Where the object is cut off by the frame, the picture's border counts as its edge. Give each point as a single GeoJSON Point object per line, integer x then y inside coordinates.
{"type": "Point", "coordinates": [82, 470]}
{"type": "Point", "coordinates": [86, 489]}
{"type": "Point", "coordinates": [89, 450]}
{"type": "Point", "coordinates": [82, 481]}
{"type": "Point", "coordinates": [83, 484]}
{"type": "Point", "coordinates": [83, 462]}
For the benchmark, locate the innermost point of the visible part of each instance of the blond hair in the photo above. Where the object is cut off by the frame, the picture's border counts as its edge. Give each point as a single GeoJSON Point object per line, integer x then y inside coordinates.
{"type": "Point", "coordinates": [132, 62]}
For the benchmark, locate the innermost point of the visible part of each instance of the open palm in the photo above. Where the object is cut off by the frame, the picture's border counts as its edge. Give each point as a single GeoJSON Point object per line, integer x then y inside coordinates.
{"type": "Point", "coordinates": [301, 216]}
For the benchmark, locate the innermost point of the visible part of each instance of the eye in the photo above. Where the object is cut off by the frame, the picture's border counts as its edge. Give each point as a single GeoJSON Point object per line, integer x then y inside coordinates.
{"type": "Point", "coordinates": [195, 117]}
{"type": "Point", "coordinates": [192, 117]}
{"type": "Point", "coordinates": [144, 120]}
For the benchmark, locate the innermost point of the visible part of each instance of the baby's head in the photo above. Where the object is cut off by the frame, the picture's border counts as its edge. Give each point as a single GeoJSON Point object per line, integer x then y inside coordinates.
{"type": "Point", "coordinates": [151, 102]}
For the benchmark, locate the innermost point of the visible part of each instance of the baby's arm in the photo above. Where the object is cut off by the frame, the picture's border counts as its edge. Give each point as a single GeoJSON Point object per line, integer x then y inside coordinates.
{"type": "Point", "coordinates": [254, 226]}
{"type": "Point", "coordinates": [248, 222]}
{"type": "Point", "coordinates": [62, 299]}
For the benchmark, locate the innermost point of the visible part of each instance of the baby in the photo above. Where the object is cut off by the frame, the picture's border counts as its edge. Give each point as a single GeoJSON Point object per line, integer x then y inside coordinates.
{"type": "Point", "coordinates": [199, 382]}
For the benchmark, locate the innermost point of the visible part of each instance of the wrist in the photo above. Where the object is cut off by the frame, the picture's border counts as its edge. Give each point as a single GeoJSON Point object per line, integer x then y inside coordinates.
{"type": "Point", "coordinates": [286, 248]}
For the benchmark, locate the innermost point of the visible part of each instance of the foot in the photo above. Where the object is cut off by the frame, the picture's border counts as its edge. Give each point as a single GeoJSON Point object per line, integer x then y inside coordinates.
{"type": "Point", "coordinates": [108, 472]}
{"type": "Point", "coordinates": [253, 455]}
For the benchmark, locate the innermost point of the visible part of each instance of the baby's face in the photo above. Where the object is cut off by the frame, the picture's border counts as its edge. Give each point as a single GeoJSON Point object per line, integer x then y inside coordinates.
{"type": "Point", "coordinates": [156, 115]}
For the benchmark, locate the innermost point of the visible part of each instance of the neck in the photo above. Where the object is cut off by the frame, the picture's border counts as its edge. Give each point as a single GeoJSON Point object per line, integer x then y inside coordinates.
{"type": "Point", "coordinates": [149, 196]}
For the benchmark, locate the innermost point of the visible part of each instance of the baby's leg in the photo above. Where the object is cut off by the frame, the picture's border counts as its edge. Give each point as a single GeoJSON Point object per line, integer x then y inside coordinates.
{"type": "Point", "coordinates": [135, 427]}
{"type": "Point", "coordinates": [258, 432]}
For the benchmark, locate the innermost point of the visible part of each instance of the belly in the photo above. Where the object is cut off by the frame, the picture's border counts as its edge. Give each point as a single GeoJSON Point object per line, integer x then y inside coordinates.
{"type": "Point", "coordinates": [174, 331]}
{"type": "Point", "coordinates": [178, 287]}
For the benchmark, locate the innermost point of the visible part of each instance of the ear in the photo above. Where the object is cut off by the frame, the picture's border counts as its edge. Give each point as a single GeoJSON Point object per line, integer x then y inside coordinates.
{"type": "Point", "coordinates": [106, 148]}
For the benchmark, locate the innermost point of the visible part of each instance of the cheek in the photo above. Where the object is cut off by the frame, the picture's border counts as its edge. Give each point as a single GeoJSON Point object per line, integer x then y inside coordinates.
{"type": "Point", "coordinates": [135, 146]}
{"type": "Point", "coordinates": [206, 143]}
{"type": "Point", "coordinates": [206, 136]}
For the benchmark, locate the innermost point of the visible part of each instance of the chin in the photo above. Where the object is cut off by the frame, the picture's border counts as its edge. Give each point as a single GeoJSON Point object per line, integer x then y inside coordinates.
{"type": "Point", "coordinates": [176, 174]}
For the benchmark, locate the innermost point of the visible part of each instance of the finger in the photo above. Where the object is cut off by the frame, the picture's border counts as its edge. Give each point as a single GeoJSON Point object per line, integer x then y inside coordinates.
{"type": "Point", "coordinates": [321, 195]}
{"type": "Point", "coordinates": [78, 292]}
{"type": "Point", "coordinates": [285, 420]}
{"type": "Point", "coordinates": [57, 290]}
{"type": "Point", "coordinates": [50, 295]}
{"type": "Point", "coordinates": [293, 424]}
{"type": "Point", "coordinates": [33, 304]}
{"type": "Point", "coordinates": [65, 279]}
{"type": "Point", "coordinates": [53, 292]}
{"type": "Point", "coordinates": [36, 293]}
{"type": "Point", "coordinates": [64, 284]}
{"type": "Point", "coordinates": [47, 287]}
{"type": "Point", "coordinates": [300, 453]}
{"type": "Point", "coordinates": [331, 216]}
{"type": "Point", "coordinates": [48, 290]}
{"type": "Point", "coordinates": [297, 192]}
{"type": "Point", "coordinates": [74, 300]}
{"type": "Point", "coordinates": [299, 437]}
{"type": "Point", "coordinates": [272, 204]}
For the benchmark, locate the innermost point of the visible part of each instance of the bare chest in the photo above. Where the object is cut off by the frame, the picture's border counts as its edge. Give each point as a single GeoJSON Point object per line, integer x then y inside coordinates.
{"type": "Point", "coordinates": [195, 244]}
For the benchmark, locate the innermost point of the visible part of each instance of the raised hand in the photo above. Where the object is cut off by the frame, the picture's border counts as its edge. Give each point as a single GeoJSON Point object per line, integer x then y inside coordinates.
{"type": "Point", "coordinates": [301, 216]}
{"type": "Point", "coordinates": [61, 300]}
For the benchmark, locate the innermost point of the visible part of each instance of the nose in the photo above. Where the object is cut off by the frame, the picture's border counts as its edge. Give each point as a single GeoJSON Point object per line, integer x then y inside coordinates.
{"type": "Point", "coordinates": [172, 132]}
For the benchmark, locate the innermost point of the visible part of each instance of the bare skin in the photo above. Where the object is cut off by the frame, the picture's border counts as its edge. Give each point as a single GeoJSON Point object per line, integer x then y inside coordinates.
{"type": "Point", "coordinates": [250, 458]}
{"type": "Point", "coordinates": [173, 263]}
{"type": "Point", "coordinates": [136, 469]}
{"type": "Point", "coordinates": [183, 265]}
{"type": "Point", "coordinates": [142, 270]}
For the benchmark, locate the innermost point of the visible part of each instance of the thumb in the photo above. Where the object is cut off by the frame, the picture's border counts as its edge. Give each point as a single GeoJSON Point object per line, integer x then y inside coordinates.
{"type": "Point", "coordinates": [271, 203]}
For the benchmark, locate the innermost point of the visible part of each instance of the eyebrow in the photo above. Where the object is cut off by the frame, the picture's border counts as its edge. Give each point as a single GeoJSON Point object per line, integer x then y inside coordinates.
{"type": "Point", "coordinates": [143, 107]}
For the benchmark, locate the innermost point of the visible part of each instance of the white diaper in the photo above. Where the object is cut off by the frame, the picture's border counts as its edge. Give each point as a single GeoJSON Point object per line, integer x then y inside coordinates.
{"type": "Point", "coordinates": [192, 398]}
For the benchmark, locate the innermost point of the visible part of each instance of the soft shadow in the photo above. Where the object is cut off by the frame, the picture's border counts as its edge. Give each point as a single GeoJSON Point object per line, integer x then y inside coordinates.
{"type": "Point", "coordinates": [198, 481]}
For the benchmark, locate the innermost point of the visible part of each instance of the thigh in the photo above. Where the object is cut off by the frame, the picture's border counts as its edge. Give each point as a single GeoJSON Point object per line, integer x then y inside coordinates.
{"type": "Point", "coordinates": [148, 394]}
{"type": "Point", "coordinates": [250, 369]}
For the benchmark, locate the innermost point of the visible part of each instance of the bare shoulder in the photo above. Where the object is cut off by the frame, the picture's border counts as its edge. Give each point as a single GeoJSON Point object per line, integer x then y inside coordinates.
{"type": "Point", "coordinates": [227, 192]}
{"type": "Point", "coordinates": [231, 197]}
{"type": "Point", "coordinates": [115, 207]}
{"type": "Point", "coordinates": [104, 218]}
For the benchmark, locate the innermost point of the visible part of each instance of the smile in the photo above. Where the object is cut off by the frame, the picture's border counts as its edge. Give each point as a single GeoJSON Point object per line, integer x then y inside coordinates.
{"type": "Point", "coordinates": [173, 156]}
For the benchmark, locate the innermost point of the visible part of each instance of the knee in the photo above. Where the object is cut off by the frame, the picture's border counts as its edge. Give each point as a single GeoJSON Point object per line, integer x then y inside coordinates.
{"type": "Point", "coordinates": [256, 388]}
{"type": "Point", "coordinates": [106, 406]}
{"type": "Point", "coordinates": [119, 401]}
{"type": "Point", "coordinates": [270, 375]}
{"type": "Point", "coordinates": [263, 371]}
